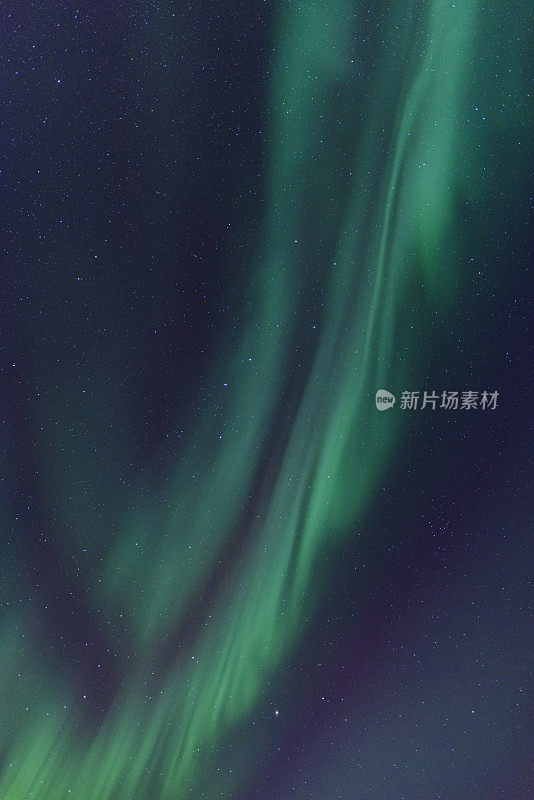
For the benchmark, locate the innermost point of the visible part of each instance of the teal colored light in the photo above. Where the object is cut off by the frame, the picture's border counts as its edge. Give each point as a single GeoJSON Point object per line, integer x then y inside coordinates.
{"type": "Point", "coordinates": [388, 233]}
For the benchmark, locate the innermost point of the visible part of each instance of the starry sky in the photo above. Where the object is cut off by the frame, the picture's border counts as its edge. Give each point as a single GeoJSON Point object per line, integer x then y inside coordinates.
{"type": "Point", "coordinates": [225, 572]}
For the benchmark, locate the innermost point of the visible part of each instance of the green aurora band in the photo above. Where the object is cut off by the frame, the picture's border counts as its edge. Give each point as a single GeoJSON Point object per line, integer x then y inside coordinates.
{"type": "Point", "coordinates": [384, 250]}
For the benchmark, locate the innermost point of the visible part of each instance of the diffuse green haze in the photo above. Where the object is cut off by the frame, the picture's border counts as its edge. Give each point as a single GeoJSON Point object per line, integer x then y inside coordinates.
{"type": "Point", "coordinates": [157, 739]}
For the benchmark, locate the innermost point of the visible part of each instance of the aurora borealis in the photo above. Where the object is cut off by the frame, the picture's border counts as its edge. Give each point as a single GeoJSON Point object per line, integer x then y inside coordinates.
{"type": "Point", "coordinates": [224, 574]}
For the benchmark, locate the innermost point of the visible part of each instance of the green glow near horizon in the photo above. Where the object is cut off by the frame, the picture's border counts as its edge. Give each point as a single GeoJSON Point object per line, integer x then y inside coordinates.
{"type": "Point", "coordinates": [334, 454]}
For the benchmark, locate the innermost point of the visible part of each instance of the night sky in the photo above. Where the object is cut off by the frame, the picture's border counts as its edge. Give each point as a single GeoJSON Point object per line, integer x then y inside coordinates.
{"type": "Point", "coordinates": [226, 572]}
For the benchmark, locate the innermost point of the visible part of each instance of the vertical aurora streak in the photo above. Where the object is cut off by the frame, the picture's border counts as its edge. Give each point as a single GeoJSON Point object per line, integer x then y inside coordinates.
{"type": "Point", "coordinates": [217, 586]}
